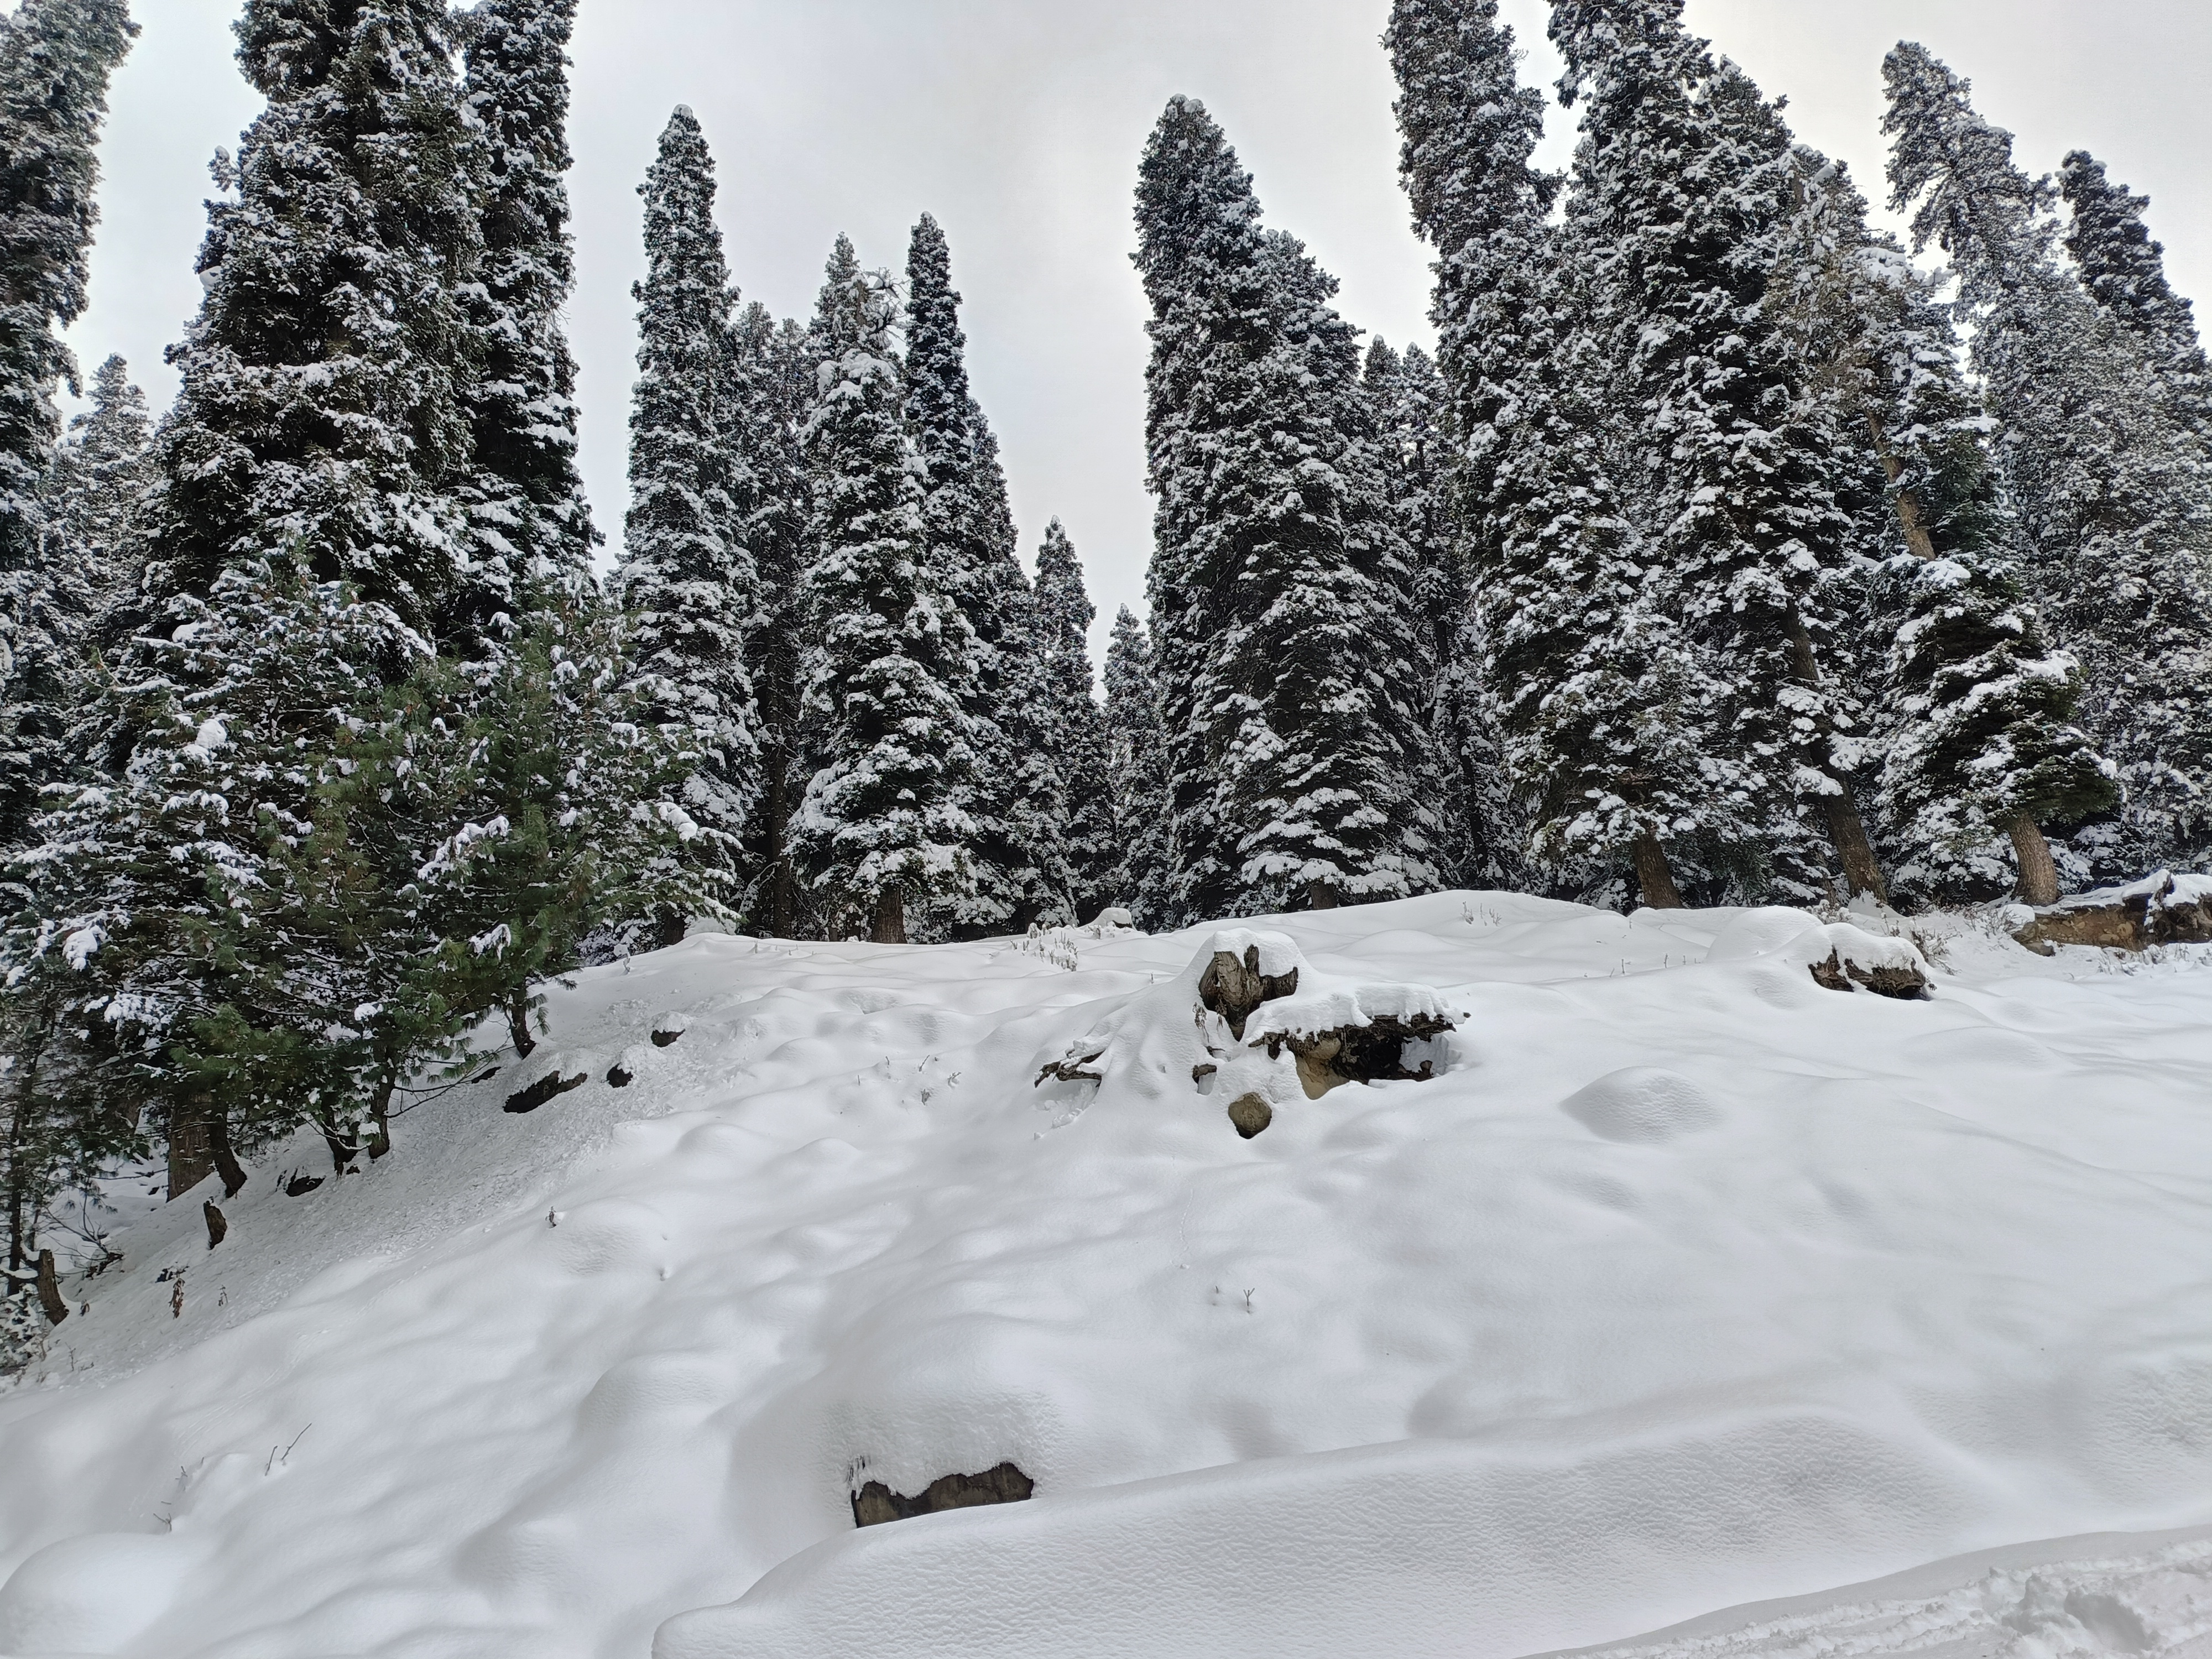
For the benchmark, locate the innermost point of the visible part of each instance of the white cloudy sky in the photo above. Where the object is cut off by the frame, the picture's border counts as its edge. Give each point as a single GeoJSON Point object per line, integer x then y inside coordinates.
{"type": "Point", "coordinates": [1018, 123]}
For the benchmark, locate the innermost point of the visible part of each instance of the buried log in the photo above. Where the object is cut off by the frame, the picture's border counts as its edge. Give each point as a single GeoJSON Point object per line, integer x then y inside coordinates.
{"type": "Point", "coordinates": [1373, 1053]}
{"type": "Point", "coordinates": [1899, 980]}
{"type": "Point", "coordinates": [1234, 988]}
{"type": "Point", "coordinates": [2156, 910]}
{"type": "Point", "coordinates": [531, 1096]}
{"type": "Point", "coordinates": [619, 1076]}
{"type": "Point", "coordinates": [875, 1503]}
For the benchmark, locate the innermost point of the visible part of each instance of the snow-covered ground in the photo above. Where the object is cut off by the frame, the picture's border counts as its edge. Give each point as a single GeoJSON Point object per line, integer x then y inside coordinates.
{"type": "Point", "coordinates": [1687, 1283]}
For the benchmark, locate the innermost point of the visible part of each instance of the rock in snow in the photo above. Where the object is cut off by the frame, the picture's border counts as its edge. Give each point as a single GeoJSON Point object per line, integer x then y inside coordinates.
{"type": "Point", "coordinates": [1683, 1282]}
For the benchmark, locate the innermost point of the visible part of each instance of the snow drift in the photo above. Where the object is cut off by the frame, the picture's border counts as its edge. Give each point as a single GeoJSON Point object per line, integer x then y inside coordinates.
{"type": "Point", "coordinates": [1679, 1271]}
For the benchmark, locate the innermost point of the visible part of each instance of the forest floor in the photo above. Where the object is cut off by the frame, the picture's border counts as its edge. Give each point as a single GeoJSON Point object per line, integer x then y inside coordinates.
{"type": "Point", "coordinates": [1685, 1283]}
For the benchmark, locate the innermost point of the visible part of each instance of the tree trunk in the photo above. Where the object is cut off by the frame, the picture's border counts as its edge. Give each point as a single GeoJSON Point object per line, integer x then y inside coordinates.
{"type": "Point", "coordinates": [380, 1118]}
{"type": "Point", "coordinates": [50, 1290]}
{"type": "Point", "coordinates": [1862, 869]}
{"type": "Point", "coordinates": [2039, 875]}
{"type": "Point", "coordinates": [1319, 895]}
{"type": "Point", "coordinates": [192, 1159]}
{"type": "Point", "coordinates": [517, 1005]}
{"type": "Point", "coordinates": [343, 1148]}
{"type": "Point", "coordinates": [1862, 873]}
{"type": "Point", "coordinates": [668, 926]}
{"type": "Point", "coordinates": [890, 916]}
{"type": "Point", "coordinates": [225, 1161]}
{"type": "Point", "coordinates": [1909, 517]}
{"type": "Point", "coordinates": [1655, 876]}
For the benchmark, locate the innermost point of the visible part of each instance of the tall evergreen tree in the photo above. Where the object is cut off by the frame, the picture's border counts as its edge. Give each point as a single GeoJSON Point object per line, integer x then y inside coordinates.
{"type": "Point", "coordinates": [56, 57]}
{"type": "Point", "coordinates": [882, 822]}
{"type": "Point", "coordinates": [1976, 708]}
{"type": "Point", "coordinates": [1278, 581]}
{"type": "Point", "coordinates": [2111, 486]}
{"type": "Point", "coordinates": [1071, 727]}
{"type": "Point", "coordinates": [524, 499]}
{"type": "Point", "coordinates": [323, 402]}
{"type": "Point", "coordinates": [778, 363]}
{"type": "Point", "coordinates": [1014, 797]}
{"type": "Point", "coordinates": [1137, 768]}
{"type": "Point", "coordinates": [103, 472]}
{"type": "Point", "coordinates": [2125, 271]}
{"type": "Point", "coordinates": [1597, 703]}
{"type": "Point", "coordinates": [687, 578]}
{"type": "Point", "coordinates": [1682, 194]}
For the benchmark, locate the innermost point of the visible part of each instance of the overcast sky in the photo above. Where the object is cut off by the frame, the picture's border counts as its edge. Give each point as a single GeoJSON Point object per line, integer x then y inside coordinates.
{"type": "Point", "coordinates": [1019, 122]}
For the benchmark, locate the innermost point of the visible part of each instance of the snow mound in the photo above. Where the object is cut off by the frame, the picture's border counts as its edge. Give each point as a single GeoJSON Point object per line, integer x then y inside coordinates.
{"type": "Point", "coordinates": [1681, 1282]}
{"type": "Point", "coordinates": [1641, 1103]}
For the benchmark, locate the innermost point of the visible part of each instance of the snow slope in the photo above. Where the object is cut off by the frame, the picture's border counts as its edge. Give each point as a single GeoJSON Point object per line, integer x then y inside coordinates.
{"type": "Point", "coordinates": [1687, 1283]}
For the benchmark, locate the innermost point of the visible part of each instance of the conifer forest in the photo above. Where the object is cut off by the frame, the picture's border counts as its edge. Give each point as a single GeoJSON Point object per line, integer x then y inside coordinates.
{"type": "Point", "coordinates": [1726, 549]}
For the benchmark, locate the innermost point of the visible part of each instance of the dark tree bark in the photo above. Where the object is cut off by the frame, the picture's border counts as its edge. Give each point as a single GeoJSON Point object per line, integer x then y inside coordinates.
{"type": "Point", "coordinates": [890, 916]}
{"type": "Point", "coordinates": [225, 1161]}
{"type": "Point", "coordinates": [1653, 875]}
{"type": "Point", "coordinates": [50, 1290]}
{"type": "Point", "coordinates": [2039, 875]}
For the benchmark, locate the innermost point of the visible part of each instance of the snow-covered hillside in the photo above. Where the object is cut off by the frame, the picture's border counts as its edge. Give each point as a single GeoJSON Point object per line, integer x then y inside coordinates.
{"type": "Point", "coordinates": [1684, 1282]}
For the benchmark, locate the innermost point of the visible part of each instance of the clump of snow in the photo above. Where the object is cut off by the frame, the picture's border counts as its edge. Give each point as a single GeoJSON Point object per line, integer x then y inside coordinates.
{"type": "Point", "coordinates": [1685, 1283]}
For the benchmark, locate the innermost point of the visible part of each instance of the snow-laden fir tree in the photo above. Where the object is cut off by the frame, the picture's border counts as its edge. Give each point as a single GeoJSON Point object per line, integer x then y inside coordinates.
{"type": "Point", "coordinates": [1277, 581]}
{"type": "Point", "coordinates": [1071, 727]}
{"type": "Point", "coordinates": [1479, 839]}
{"type": "Point", "coordinates": [882, 824]}
{"type": "Point", "coordinates": [524, 499]}
{"type": "Point", "coordinates": [1136, 772]}
{"type": "Point", "coordinates": [217, 738]}
{"type": "Point", "coordinates": [1014, 797]}
{"type": "Point", "coordinates": [1599, 706]}
{"type": "Point", "coordinates": [97, 499]}
{"type": "Point", "coordinates": [324, 387]}
{"type": "Point", "coordinates": [2109, 484]}
{"type": "Point", "coordinates": [686, 578]}
{"type": "Point", "coordinates": [1975, 707]}
{"type": "Point", "coordinates": [56, 57]}
{"type": "Point", "coordinates": [1682, 192]}
{"type": "Point", "coordinates": [2125, 271]}
{"type": "Point", "coordinates": [777, 363]}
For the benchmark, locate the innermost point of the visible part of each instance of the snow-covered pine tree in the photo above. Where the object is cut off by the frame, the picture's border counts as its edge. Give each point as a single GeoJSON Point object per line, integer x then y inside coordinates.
{"type": "Point", "coordinates": [1477, 840]}
{"type": "Point", "coordinates": [1682, 196]}
{"type": "Point", "coordinates": [56, 57]}
{"type": "Point", "coordinates": [103, 471]}
{"type": "Point", "coordinates": [1276, 580]}
{"type": "Point", "coordinates": [1014, 797]}
{"type": "Point", "coordinates": [686, 577]}
{"type": "Point", "coordinates": [1137, 771]}
{"type": "Point", "coordinates": [524, 497]}
{"type": "Point", "coordinates": [2110, 485]}
{"type": "Point", "coordinates": [323, 402]}
{"type": "Point", "coordinates": [146, 897]}
{"type": "Point", "coordinates": [882, 822]}
{"type": "Point", "coordinates": [1073, 730]}
{"type": "Point", "coordinates": [1975, 721]}
{"type": "Point", "coordinates": [1598, 705]}
{"type": "Point", "coordinates": [777, 363]}
{"type": "Point", "coordinates": [2125, 271]}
